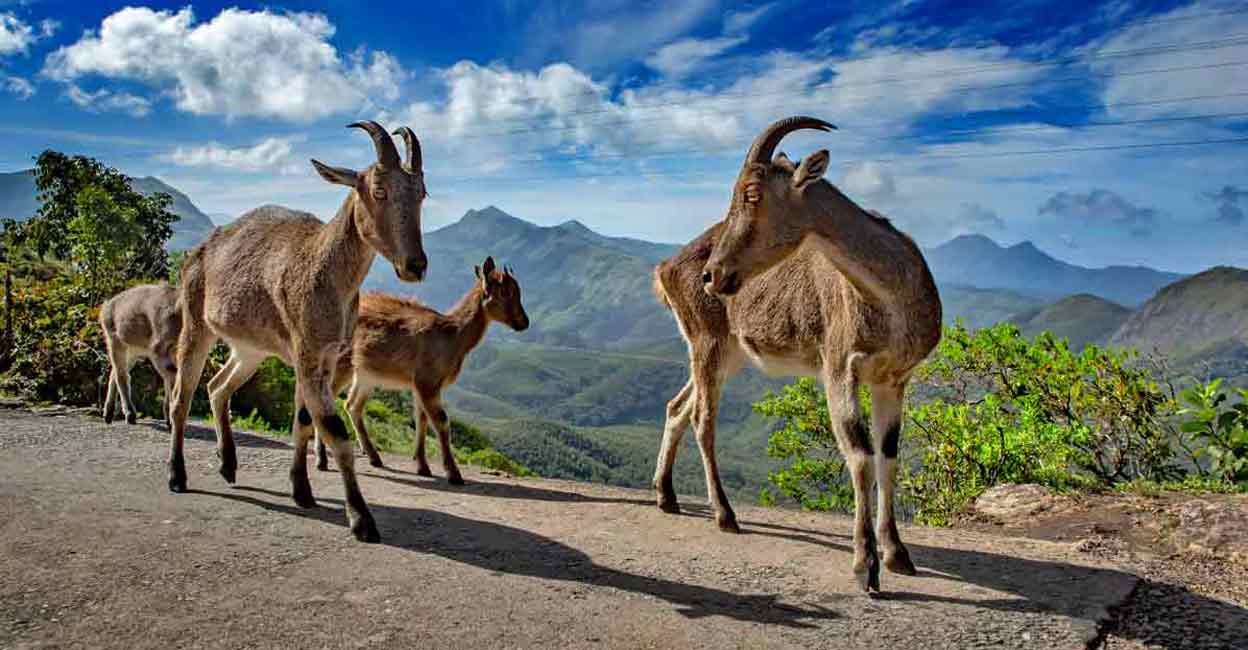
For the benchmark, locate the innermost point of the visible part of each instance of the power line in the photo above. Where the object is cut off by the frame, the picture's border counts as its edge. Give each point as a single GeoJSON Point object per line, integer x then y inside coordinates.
{"type": "Point", "coordinates": [707, 173]}
{"type": "Point", "coordinates": [856, 99]}
{"type": "Point", "coordinates": [897, 138]}
{"type": "Point", "coordinates": [1170, 48]}
{"type": "Point", "coordinates": [846, 133]}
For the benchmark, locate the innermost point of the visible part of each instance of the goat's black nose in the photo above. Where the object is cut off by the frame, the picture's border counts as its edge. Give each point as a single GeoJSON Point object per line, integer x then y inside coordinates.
{"type": "Point", "coordinates": [416, 265]}
{"type": "Point", "coordinates": [707, 277]}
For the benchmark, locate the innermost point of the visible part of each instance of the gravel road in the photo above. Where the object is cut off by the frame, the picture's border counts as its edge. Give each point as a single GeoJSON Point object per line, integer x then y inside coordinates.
{"type": "Point", "coordinates": [96, 553]}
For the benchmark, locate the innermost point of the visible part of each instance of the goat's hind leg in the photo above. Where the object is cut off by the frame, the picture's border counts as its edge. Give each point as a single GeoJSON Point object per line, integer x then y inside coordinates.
{"type": "Point", "coordinates": [432, 406]}
{"type": "Point", "coordinates": [886, 416]}
{"type": "Point", "coordinates": [357, 400]}
{"type": "Point", "coordinates": [236, 372]}
{"type": "Point", "coordinates": [422, 434]}
{"type": "Point", "coordinates": [193, 348]}
{"type": "Point", "coordinates": [120, 359]}
{"type": "Point", "coordinates": [679, 412]}
{"type": "Point", "coordinates": [301, 431]}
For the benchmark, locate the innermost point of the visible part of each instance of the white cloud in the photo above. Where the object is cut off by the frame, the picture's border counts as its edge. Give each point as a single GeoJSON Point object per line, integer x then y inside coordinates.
{"type": "Point", "coordinates": [1199, 22]}
{"type": "Point", "coordinates": [22, 88]}
{"type": "Point", "coordinates": [108, 101]}
{"type": "Point", "coordinates": [678, 59]}
{"type": "Point", "coordinates": [239, 64]}
{"type": "Point", "coordinates": [740, 21]}
{"type": "Point", "coordinates": [268, 154]}
{"type": "Point", "coordinates": [16, 35]}
{"type": "Point", "coordinates": [600, 34]}
{"type": "Point", "coordinates": [870, 180]}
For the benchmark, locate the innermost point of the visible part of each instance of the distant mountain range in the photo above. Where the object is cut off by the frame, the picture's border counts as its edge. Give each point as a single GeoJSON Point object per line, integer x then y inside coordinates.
{"type": "Point", "coordinates": [19, 200]}
{"type": "Point", "coordinates": [977, 261]}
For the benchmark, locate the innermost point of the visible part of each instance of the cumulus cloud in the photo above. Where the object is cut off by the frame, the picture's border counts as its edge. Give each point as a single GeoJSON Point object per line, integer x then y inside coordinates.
{"type": "Point", "coordinates": [239, 64]}
{"type": "Point", "coordinates": [974, 217]}
{"type": "Point", "coordinates": [16, 35]}
{"type": "Point", "coordinates": [600, 34]}
{"type": "Point", "coordinates": [108, 101]}
{"type": "Point", "coordinates": [268, 154]}
{"type": "Point", "coordinates": [870, 180]}
{"type": "Point", "coordinates": [1227, 202]}
{"type": "Point", "coordinates": [1101, 207]}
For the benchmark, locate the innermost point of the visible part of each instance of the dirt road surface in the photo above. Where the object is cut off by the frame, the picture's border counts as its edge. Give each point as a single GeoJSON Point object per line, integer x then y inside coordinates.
{"type": "Point", "coordinates": [96, 553]}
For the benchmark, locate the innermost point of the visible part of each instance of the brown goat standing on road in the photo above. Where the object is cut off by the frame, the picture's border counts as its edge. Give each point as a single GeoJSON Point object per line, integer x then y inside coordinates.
{"type": "Point", "coordinates": [277, 282]}
{"type": "Point", "coordinates": [142, 322]}
{"type": "Point", "coordinates": [858, 291]}
{"type": "Point", "coordinates": [404, 345]}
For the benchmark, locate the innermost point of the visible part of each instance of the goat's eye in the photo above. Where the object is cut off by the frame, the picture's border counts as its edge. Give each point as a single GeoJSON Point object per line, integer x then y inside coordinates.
{"type": "Point", "coordinates": [379, 193]}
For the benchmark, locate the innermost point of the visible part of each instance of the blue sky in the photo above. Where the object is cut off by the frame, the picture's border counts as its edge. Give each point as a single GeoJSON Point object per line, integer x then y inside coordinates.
{"type": "Point", "coordinates": [1073, 125]}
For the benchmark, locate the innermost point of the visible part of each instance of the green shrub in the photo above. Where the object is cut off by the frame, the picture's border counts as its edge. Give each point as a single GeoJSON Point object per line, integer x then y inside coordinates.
{"type": "Point", "coordinates": [814, 472]}
{"type": "Point", "coordinates": [1220, 429]}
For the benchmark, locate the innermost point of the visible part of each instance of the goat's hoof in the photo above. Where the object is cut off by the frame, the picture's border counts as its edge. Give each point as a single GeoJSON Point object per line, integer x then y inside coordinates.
{"type": "Point", "coordinates": [132, 418]}
{"type": "Point", "coordinates": [669, 505]}
{"type": "Point", "coordinates": [899, 562]}
{"type": "Point", "coordinates": [375, 461]}
{"type": "Point", "coordinates": [229, 465]}
{"type": "Point", "coordinates": [303, 496]}
{"type": "Point", "coordinates": [108, 418]}
{"type": "Point", "coordinates": [424, 470]}
{"type": "Point", "coordinates": [322, 464]}
{"type": "Point", "coordinates": [455, 479]}
{"type": "Point", "coordinates": [177, 476]}
{"type": "Point", "coordinates": [868, 574]}
{"type": "Point", "coordinates": [364, 529]}
{"type": "Point", "coordinates": [727, 523]}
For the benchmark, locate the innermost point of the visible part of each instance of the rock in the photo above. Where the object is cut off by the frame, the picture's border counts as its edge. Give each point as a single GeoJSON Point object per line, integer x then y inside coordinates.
{"type": "Point", "coordinates": [1214, 527]}
{"type": "Point", "coordinates": [1012, 500]}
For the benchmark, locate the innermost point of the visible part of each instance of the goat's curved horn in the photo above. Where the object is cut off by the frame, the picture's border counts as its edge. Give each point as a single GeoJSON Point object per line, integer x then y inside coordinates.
{"type": "Point", "coordinates": [415, 161]}
{"type": "Point", "coordinates": [765, 144]}
{"type": "Point", "coordinates": [387, 154]}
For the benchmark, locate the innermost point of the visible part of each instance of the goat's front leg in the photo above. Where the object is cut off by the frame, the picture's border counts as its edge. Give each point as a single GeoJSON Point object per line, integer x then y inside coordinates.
{"type": "Point", "coordinates": [357, 399]}
{"type": "Point", "coordinates": [431, 402]}
{"type": "Point", "coordinates": [314, 376]}
{"type": "Point", "coordinates": [301, 430]}
{"type": "Point", "coordinates": [236, 372]}
{"type": "Point", "coordinates": [851, 437]}
{"type": "Point", "coordinates": [422, 430]}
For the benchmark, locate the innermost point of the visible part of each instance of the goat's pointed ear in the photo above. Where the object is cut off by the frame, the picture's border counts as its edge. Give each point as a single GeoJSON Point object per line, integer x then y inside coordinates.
{"type": "Point", "coordinates": [782, 161]}
{"type": "Point", "coordinates": [477, 271]}
{"type": "Point", "coordinates": [488, 267]}
{"type": "Point", "coordinates": [337, 175]}
{"type": "Point", "coordinates": [810, 170]}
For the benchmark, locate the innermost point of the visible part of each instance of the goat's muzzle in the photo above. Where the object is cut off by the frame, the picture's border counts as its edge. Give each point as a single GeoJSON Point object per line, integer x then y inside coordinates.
{"type": "Point", "coordinates": [413, 269]}
{"type": "Point", "coordinates": [715, 282]}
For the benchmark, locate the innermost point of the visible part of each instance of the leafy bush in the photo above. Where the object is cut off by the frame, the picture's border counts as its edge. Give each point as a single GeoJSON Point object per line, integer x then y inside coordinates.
{"type": "Point", "coordinates": [1220, 430]}
{"type": "Point", "coordinates": [992, 406]}
{"type": "Point", "coordinates": [814, 472]}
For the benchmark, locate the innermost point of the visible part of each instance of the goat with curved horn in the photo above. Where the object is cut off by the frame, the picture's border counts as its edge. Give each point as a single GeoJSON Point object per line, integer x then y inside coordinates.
{"type": "Point", "coordinates": [387, 154]}
{"type": "Point", "coordinates": [415, 161]}
{"type": "Point", "coordinates": [800, 280]}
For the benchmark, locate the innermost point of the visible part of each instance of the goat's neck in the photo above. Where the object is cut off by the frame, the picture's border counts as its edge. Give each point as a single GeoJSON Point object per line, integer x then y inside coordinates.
{"type": "Point", "coordinates": [877, 259]}
{"type": "Point", "coordinates": [470, 320]}
{"type": "Point", "coordinates": [341, 248]}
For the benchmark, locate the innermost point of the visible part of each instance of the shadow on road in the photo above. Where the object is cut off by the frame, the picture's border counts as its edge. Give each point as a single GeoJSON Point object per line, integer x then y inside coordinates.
{"type": "Point", "coordinates": [496, 547]}
{"type": "Point", "coordinates": [1042, 586]}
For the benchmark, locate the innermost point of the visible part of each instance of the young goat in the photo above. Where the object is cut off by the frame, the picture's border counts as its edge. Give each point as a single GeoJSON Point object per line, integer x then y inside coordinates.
{"type": "Point", "coordinates": [141, 322]}
{"type": "Point", "coordinates": [404, 345]}
{"type": "Point", "coordinates": [277, 282]}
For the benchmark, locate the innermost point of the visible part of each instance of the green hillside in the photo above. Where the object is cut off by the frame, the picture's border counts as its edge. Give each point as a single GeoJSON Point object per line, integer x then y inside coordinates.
{"type": "Point", "coordinates": [1081, 318]}
{"type": "Point", "coordinates": [1191, 315]}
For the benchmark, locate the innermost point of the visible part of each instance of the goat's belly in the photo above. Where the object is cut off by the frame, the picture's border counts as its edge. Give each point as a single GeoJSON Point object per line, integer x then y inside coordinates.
{"type": "Point", "coordinates": [778, 365]}
{"type": "Point", "coordinates": [386, 380]}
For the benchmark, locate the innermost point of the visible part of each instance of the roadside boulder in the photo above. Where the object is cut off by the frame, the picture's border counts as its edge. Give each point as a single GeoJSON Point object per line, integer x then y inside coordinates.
{"type": "Point", "coordinates": [1013, 500]}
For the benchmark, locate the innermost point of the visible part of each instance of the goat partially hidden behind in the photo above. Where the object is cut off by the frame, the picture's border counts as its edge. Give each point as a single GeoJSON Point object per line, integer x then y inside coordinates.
{"type": "Point", "coordinates": [142, 322]}
{"type": "Point", "coordinates": [404, 345]}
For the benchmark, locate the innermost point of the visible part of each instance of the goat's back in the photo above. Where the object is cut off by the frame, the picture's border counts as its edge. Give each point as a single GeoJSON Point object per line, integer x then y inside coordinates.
{"type": "Point", "coordinates": [143, 315]}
